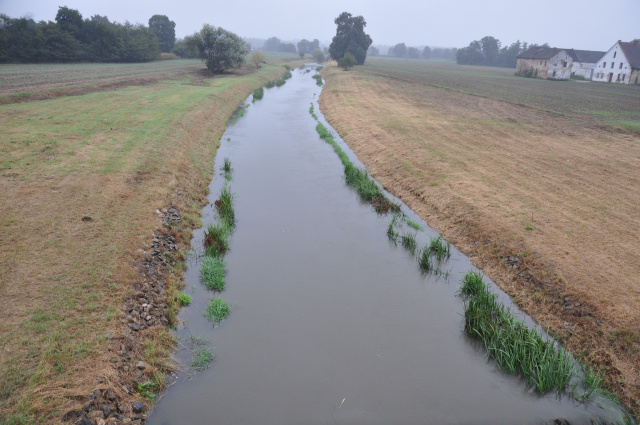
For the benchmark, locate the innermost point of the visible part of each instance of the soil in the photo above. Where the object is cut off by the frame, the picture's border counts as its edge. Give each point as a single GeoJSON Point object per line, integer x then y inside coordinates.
{"type": "Point", "coordinates": [545, 206]}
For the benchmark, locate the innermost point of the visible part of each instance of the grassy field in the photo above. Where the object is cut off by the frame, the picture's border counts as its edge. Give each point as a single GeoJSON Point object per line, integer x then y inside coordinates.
{"type": "Point", "coordinates": [81, 179]}
{"type": "Point", "coordinates": [582, 101]}
{"type": "Point", "coordinates": [546, 203]}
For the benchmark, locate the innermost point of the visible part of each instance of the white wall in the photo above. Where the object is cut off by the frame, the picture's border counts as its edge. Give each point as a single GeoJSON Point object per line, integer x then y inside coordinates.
{"type": "Point", "coordinates": [556, 66]}
{"type": "Point", "coordinates": [583, 68]}
{"type": "Point", "coordinates": [603, 70]}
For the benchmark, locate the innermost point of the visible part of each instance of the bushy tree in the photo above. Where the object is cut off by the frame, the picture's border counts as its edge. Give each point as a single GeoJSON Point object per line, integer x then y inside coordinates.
{"type": "Point", "coordinates": [257, 58]}
{"type": "Point", "coordinates": [350, 38]}
{"type": "Point", "coordinates": [218, 48]}
{"type": "Point", "coordinates": [399, 50]}
{"type": "Point", "coordinates": [287, 48]}
{"type": "Point", "coordinates": [413, 53]}
{"type": "Point", "coordinates": [271, 45]}
{"type": "Point", "coordinates": [183, 50]}
{"type": "Point", "coordinates": [426, 52]}
{"type": "Point", "coordinates": [307, 46]}
{"type": "Point", "coordinates": [318, 55]}
{"type": "Point", "coordinates": [165, 30]}
{"type": "Point", "coordinates": [347, 62]}
{"type": "Point", "coordinates": [373, 51]}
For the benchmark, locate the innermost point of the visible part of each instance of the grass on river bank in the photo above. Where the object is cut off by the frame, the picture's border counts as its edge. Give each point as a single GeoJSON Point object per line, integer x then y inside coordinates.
{"type": "Point", "coordinates": [82, 178]}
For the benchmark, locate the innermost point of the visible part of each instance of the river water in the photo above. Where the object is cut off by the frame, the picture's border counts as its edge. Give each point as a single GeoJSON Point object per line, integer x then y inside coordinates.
{"type": "Point", "coordinates": [330, 322]}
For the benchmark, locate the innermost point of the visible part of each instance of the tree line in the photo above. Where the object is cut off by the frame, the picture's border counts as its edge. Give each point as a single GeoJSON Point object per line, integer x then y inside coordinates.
{"type": "Point", "coordinates": [401, 50]}
{"type": "Point", "coordinates": [74, 39]}
{"type": "Point", "coordinates": [488, 51]}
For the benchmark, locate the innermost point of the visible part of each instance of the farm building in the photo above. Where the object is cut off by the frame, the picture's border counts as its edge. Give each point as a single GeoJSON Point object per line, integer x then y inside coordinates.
{"type": "Point", "coordinates": [621, 64]}
{"type": "Point", "coordinates": [554, 62]}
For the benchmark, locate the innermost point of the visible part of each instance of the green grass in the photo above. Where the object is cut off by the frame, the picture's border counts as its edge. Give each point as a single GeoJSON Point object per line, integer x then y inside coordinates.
{"type": "Point", "coordinates": [357, 178]}
{"type": "Point", "coordinates": [392, 234]}
{"type": "Point", "coordinates": [183, 299]}
{"type": "Point", "coordinates": [414, 225]}
{"type": "Point", "coordinates": [318, 79]}
{"type": "Point", "coordinates": [280, 82]}
{"type": "Point", "coordinates": [225, 206]}
{"type": "Point", "coordinates": [212, 272]}
{"type": "Point", "coordinates": [227, 176]}
{"type": "Point", "coordinates": [514, 347]}
{"type": "Point", "coordinates": [409, 242]}
{"type": "Point", "coordinates": [226, 167]}
{"type": "Point", "coordinates": [258, 94]}
{"type": "Point", "coordinates": [270, 84]}
{"type": "Point", "coordinates": [217, 310]}
{"type": "Point", "coordinates": [439, 248]}
{"type": "Point", "coordinates": [202, 358]}
{"type": "Point", "coordinates": [216, 238]}
{"type": "Point", "coordinates": [424, 260]}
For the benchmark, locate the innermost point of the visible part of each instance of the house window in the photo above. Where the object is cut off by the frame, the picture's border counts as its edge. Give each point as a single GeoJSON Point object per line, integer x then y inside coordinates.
{"type": "Point", "coordinates": [540, 62]}
{"type": "Point", "coordinates": [623, 75]}
{"type": "Point", "coordinates": [554, 73]}
{"type": "Point", "coordinates": [604, 64]}
{"type": "Point", "coordinates": [620, 65]}
{"type": "Point", "coordinates": [612, 64]}
{"type": "Point", "coordinates": [614, 54]}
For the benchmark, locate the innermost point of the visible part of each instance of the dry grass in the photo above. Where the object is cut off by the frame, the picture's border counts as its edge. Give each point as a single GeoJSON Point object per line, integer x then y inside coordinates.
{"type": "Point", "coordinates": [498, 180]}
{"type": "Point", "coordinates": [114, 156]}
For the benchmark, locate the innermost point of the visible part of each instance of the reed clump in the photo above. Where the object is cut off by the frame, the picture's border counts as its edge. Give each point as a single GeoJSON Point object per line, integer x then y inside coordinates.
{"type": "Point", "coordinates": [217, 310]}
{"type": "Point", "coordinates": [212, 272]}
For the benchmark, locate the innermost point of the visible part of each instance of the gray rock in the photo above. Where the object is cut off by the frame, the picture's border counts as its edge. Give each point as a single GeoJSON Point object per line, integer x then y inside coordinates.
{"type": "Point", "coordinates": [137, 407]}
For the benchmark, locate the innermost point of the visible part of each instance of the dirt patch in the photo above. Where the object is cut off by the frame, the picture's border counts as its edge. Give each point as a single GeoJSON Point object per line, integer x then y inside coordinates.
{"type": "Point", "coordinates": [546, 206]}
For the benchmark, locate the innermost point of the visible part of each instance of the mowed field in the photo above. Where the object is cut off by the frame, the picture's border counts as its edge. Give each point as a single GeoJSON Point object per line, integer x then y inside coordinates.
{"type": "Point", "coordinates": [82, 178]}
{"type": "Point", "coordinates": [537, 181]}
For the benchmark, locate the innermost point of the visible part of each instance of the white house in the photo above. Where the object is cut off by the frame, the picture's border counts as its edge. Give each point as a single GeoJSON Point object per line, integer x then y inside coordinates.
{"type": "Point", "coordinates": [621, 64]}
{"type": "Point", "coordinates": [584, 62]}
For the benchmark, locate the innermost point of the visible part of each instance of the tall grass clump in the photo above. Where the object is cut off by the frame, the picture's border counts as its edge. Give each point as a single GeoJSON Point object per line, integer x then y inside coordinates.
{"type": "Point", "coordinates": [217, 310]}
{"type": "Point", "coordinates": [441, 249]}
{"type": "Point", "coordinates": [359, 179]}
{"type": "Point", "coordinates": [258, 94]}
{"type": "Point", "coordinates": [472, 284]}
{"type": "Point", "coordinates": [414, 225]}
{"type": "Point", "coordinates": [225, 206]}
{"type": "Point", "coordinates": [392, 234]}
{"type": "Point", "coordinates": [216, 238]}
{"type": "Point", "coordinates": [270, 84]}
{"type": "Point", "coordinates": [226, 167]}
{"type": "Point", "coordinates": [319, 68]}
{"type": "Point", "coordinates": [286, 75]}
{"type": "Point", "coordinates": [514, 347]}
{"type": "Point", "coordinates": [318, 79]}
{"type": "Point", "coordinates": [280, 82]}
{"type": "Point", "coordinates": [409, 242]}
{"type": "Point", "coordinates": [424, 260]}
{"type": "Point", "coordinates": [212, 271]}
{"type": "Point", "coordinates": [202, 358]}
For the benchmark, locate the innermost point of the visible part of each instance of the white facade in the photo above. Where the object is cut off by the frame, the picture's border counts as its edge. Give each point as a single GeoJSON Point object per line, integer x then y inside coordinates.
{"type": "Point", "coordinates": [585, 69]}
{"type": "Point", "coordinates": [614, 67]}
{"type": "Point", "coordinates": [560, 66]}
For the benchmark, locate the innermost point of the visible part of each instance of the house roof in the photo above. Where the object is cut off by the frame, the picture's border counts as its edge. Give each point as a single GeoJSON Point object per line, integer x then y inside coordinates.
{"type": "Point", "coordinates": [587, 56]}
{"type": "Point", "coordinates": [632, 52]}
{"type": "Point", "coordinates": [539, 53]}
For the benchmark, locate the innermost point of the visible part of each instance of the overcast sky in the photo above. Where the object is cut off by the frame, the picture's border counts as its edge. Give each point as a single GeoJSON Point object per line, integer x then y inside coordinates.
{"type": "Point", "coordinates": [587, 24]}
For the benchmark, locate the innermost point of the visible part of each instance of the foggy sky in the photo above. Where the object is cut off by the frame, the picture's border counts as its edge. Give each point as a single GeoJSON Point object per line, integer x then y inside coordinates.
{"type": "Point", "coordinates": [587, 24]}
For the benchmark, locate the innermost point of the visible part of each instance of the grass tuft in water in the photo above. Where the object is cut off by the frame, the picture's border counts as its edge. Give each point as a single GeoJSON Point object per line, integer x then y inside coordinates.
{"type": "Point", "coordinates": [424, 260]}
{"type": "Point", "coordinates": [472, 284]}
{"type": "Point", "coordinates": [258, 94]}
{"type": "Point", "coordinates": [441, 249]}
{"type": "Point", "coordinates": [202, 358]}
{"type": "Point", "coordinates": [227, 176]}
{"type": "Point", "coordinates": [409, 242]}
{"type": "Point", "coordinates": [270, 84]}
{"type": "Point", "coordinates": [226, 166]}
{"type": "Point", "coordinates": [216, 239]}
{"type": "Point", "coordinates": [514, 347]}
{"type": "Point", "coordinates": [225, 206]}
{"type": "Point", "coordinates": [318, 79]}
{"type": "Point", "coordinates": [183, 299]}
{"type": "Point", "coordinates": [414, 225]}
{"type": "Point", "coordinates": [212, 271]}
{"type": "Point", "coordinates": [391, 229]}
{"type": "Point", "coordinates": [217, 310]}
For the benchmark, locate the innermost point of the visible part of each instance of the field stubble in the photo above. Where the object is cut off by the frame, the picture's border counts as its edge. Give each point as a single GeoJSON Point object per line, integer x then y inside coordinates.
{"type": "Point", "coordinates": [81, 178]}
{"type": "Point", "coordinates": [545, 204]}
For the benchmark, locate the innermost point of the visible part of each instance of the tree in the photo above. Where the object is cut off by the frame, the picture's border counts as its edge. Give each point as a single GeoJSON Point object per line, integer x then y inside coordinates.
{"type": "Point", "coordinates": [69, 20]}
{"type": "Point", "coordinates": [301, 54]}
{"type": "Point", "coordinates": [307, 46]}
{"type": "Point", "coordinates": [347, 61]}
{"type": "Point", "coordinates": [350, 38]}
{"type": "Point", "coordinates": [271, 45]}
{"type": "Point", "coordinates": [257, 58]}
{"type": "Point", "coordinates": [426, 52]}
{"type": "Point", "coordinates": [318, 55]}
{"type": "Point", "coordinates": [413, 53]}
{"type": "Point", "coordinates": [490, 50]}
{"type": "Point", "coordinates": [399, 50]}
{"type": "Point", "coordinates": [287, 48]}
{"type": "Point", "coordinates": [218, 48]}
{"type": "Point", "coordinates": [373, 51]}
{"type": "Point", "coordinates": [165, 30]}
